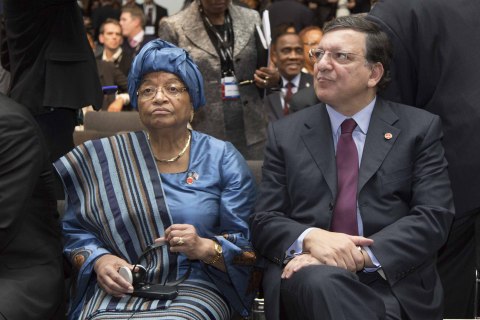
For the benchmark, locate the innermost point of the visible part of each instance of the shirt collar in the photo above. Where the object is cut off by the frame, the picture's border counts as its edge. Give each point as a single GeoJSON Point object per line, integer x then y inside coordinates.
{"type": "Point", "coordinates": [115, 56]}
{"type": "Point", "coordinates": [295, 81]}
{"type": "Point", "coordinates": [139, 37]}
{"type": "Point", "coordinates": [362, 118]}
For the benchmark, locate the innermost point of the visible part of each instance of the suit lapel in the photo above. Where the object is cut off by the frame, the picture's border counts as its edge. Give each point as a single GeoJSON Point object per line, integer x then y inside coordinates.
{"type": "Point", "coordinates": [319, 142]}
{"type": "Point", "coordinates": [377, 145]}
{"type": "Point", "coordinates": [242, 30]}
{"type": "Point", "coordinates": [305, 81]}
{"type": "Point", "coordinates": [276, 104]}
{"type": "Point", "coordinates": [194, 30]}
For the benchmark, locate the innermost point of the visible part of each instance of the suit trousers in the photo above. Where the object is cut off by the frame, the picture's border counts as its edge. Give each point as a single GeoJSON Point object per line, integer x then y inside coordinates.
{"type": "Point", "coordinates": [456, 266]}
{"type": "Point", "coordinates": [57, 127]}
{"type": "Point", "coordinates": [325, 292]}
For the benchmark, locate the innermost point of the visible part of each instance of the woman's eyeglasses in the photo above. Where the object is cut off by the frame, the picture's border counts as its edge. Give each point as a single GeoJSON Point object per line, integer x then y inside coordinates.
{"type": "Point", "coordinates": [170, 90]}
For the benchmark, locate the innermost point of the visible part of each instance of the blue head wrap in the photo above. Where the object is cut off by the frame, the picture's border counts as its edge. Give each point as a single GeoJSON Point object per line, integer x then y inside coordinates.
{"type": "Point", "coordinates": [159, 55]}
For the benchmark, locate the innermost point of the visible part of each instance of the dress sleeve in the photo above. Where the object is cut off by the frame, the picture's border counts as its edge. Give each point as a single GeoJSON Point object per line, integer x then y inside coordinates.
{"type": "Point", "coordinates": [236, 205]}
{"type": "Point", "coordinates": [81, 247]}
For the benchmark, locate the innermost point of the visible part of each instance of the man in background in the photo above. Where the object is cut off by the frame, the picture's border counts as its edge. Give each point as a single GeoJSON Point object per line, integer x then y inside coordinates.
{"type": "Point", "coordinates": [31, 273]}
{"type": "Point", "coordinates": [111, 38]}
{"type": "Point", "coordinates": [53, 69]}
{"type": "Point", "coordinates": [153, 14]}
{"type": "Point", "coordinates": [287, 55]}
{"type": "Point", "coordinates": [436, 67]}
{"type": "Point", "coordinates": [132, 21]}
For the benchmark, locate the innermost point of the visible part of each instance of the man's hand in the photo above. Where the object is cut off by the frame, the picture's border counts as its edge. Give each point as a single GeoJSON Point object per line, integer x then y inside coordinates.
{"type": "Point", "coordinates": [116, 105]}
{"type": "Point", "coordinates": [266, 77]}
{"type": "Point", "coordinates": [106, 267]}
{"type": "Point", "coordinates": [336, 249]}
{"type": "Point", "coordinates": [298, 263]}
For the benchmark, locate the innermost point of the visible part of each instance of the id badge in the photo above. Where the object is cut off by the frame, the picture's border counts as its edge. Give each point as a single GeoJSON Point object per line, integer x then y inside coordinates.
{"type": "Point", "coordinates": [149, 30]}
{"type": "Point", "coordinates": [230, 88]}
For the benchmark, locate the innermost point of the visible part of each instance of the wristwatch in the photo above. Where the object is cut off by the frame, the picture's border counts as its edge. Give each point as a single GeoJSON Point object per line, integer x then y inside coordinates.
{"type": "Point", "coordinates": [218, 253]}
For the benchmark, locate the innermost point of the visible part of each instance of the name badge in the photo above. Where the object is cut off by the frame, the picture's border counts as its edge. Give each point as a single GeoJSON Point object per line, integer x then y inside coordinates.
{"type": "Point", "coordinates": [150, 30]}
{"type": "Point", "coordinates": [230, 88]}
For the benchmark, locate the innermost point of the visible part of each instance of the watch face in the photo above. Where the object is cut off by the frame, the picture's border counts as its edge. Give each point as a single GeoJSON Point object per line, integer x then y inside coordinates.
{"type": "Point", "coordinates": [218, 248]}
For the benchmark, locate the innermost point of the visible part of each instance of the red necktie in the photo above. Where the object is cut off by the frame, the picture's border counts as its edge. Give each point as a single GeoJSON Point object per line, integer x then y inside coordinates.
{"type": "Point", "coordinates": [288, 96]}
{"type": "Point", "coordinates": [345, 213]}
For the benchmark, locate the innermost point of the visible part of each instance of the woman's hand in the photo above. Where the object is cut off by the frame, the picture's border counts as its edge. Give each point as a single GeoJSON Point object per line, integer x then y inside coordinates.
{"type": "Point", "coordinates": [183, 238]}
{"type": "Point", "coordinates": [108, 277]}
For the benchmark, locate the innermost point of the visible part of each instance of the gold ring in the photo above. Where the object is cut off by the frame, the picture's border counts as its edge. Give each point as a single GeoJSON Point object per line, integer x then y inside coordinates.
{"type": "Point", "coordinates": [180, 241]}
{"type": "Point", "coordinates": [267, 77]}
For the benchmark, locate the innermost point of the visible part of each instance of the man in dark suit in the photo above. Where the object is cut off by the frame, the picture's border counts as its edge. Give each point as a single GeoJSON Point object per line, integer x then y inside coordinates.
{"type": "Point", "coordinates": [153, 14]}
{"type": "Point", "coordinates": [53, 70]}
{"type": "Point", "coordinates": [304, 98]}
{"type": "Point", "coordinates": [132, 21]}
{"type": "Point", "coordinates": [436, 67]}
{"type": "Point", "coordinates": [355, 198]}
{"type": "Point", "coordinates": [31, 274]}
{"type": "Point", "coordinates": [287, 55]}
{"type": "Point", "coordinates": [290, 12]}
{"type": "Point", "coordinates": [111, 39]}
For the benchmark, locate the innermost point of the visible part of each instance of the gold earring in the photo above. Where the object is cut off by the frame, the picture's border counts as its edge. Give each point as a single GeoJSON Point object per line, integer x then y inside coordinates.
{"type": "Point", "coordinates": [191, 116]}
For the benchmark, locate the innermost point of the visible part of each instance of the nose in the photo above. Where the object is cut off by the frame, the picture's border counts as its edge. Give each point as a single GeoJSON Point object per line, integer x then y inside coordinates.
{"type": "Point", "coordinates": [324, 63]}
{"type": "Point", "coordinates": [160, 92]}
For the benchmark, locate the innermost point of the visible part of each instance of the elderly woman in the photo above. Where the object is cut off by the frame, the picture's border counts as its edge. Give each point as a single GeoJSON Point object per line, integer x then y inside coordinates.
{"type": "Point", "coordinates": [166, 185]}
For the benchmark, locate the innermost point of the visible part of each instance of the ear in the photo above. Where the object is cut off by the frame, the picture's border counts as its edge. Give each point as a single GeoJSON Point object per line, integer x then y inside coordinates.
{"type": "Point", "coordinates": [101, 38]}
{"type": "Point", "coordinates": [376, 74]}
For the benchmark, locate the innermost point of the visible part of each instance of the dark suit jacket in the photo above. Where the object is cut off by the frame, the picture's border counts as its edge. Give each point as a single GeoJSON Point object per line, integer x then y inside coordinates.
{"type": "Point", "coordinates": [305, 97]}
{"type": "Point", "coordinates": [123, 62]}
{"type": "Point", "coordinates": [404, 197]}
{"type": "Point", "coordinates": [132, 52]}
{"type": "Point", "coordinates": [273, 103]}
{"type": "Point", "coordinates": [290, 12]}
{"type": "Point", "coordinates": [51, 62]}
{"type": "Point", "coordinates": [111, 76]}
{"type": "Point", "coordinates": [436, 67]}
{"type": "Point", "coordinates": [161, 12]}
{"type": "Point", "coordinates": [31, 275]}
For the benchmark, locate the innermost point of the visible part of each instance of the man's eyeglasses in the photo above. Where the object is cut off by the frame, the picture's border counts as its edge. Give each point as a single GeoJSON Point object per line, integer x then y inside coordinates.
{"type": "Point", "coordinates": [171, 90]}
{"type": "Point", "coordinates": [337, 56]}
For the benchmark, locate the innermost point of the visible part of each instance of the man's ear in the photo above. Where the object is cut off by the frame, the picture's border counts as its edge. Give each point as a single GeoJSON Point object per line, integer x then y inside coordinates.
{"type": "Point", "coordinates": [375, 74]}
{"type": "Point", "coordinates": [101, 38]}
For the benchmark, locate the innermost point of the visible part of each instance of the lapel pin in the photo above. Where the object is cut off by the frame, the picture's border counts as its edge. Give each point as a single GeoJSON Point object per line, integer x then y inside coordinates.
{"type": "Point", "coordinates": [192, 176]}
{"type": "Point", "coordinates": [307, 84]}
{"type": "Point", "coordinates": [388, 136]}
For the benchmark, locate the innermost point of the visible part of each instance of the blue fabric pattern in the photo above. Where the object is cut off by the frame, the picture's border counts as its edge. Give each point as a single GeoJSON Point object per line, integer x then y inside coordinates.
{"type": "Point", "coordinates": [117, 202]}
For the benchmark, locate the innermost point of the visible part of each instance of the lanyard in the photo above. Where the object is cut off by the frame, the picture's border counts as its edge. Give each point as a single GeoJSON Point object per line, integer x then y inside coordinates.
{"type": "Point", "coordinates": [223, 43]}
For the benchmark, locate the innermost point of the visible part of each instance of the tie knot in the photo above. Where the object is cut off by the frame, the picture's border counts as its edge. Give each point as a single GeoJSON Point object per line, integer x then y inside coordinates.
{"type": "Point", "coordinates": [348, 126]}
{"type": "Point", "coordinates": [289, 85]}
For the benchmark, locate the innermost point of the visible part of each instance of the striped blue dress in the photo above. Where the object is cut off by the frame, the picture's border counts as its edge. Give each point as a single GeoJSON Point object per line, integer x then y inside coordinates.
{"type": "Point", "coordinates": [118, 203]}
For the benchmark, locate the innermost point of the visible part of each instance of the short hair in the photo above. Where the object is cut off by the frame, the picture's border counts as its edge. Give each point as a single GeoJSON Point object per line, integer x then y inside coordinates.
{"type": "Point", "coordinates": [109, 21]}
{"type": "Point", "coordinates": [378, 45]}
{"type": "Point", "coordinates": [135, 12]}
{"type": "Point", "coordinates": [307, 29]}
{"type": "Point", "coordinates": [281, 30]}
